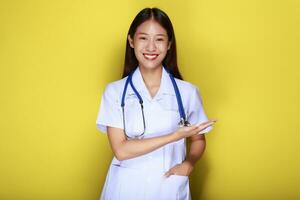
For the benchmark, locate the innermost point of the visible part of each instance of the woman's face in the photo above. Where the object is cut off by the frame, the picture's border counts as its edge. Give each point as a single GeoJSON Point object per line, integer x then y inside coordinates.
{"type": "Point", "coordinates": [150, 43]}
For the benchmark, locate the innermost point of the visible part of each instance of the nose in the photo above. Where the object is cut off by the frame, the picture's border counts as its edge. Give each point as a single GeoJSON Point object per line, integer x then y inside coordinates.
{"type": "Point", "coordinates": [151, 46]}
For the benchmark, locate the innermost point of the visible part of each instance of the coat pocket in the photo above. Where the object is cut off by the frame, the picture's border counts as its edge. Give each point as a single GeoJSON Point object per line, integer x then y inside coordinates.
{"type": "Point", "coordinates": [128, 183]}
{"type": "Point", "coordinates": [175, 187]}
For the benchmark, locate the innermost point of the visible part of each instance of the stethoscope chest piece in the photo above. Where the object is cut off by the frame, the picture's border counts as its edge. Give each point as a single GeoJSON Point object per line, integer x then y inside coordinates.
{"type": "Point", "coordinates": [184, 123]}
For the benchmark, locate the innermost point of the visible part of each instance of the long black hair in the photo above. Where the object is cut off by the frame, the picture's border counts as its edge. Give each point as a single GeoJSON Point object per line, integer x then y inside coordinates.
{"type": "Point", "coordinates": [170, 61]}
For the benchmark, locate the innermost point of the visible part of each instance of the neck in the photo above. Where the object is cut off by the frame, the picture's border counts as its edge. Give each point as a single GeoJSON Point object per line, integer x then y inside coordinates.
{"type": "Point", "coordinates": [151, 77]}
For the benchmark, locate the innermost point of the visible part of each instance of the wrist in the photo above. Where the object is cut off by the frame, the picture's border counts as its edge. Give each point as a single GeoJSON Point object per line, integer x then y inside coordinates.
{"type": "Point", "coordinates": [175, 136]}
{"type": "Point", "coordinates": [188, 166]}
{"type": "Point", "coordinates": [189, 162]}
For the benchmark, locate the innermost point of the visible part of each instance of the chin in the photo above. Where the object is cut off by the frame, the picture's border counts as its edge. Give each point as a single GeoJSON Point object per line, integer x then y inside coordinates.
{"type": "Point", "coordinates": [151, 65]}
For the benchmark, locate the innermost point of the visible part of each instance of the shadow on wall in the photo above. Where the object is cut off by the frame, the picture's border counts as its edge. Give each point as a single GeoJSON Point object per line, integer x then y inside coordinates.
{"type": "Point", "coordinates": [198, 178]}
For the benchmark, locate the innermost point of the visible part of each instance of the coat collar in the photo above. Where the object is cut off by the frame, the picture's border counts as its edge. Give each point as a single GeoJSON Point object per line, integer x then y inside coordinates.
{"type": "Point", "coordinates": [165, 87]}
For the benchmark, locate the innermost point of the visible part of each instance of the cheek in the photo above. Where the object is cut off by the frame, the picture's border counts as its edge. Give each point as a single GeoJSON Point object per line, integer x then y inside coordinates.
{"type": "Point", "coordinates": [163, 46]}
{"type": "Point", "coordinates": [163, 50]}
{"type": "Point", "coordinates": [137, 53]}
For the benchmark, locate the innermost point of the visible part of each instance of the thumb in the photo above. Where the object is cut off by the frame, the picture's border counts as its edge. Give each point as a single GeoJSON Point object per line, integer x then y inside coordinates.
{"type": "Point", "coordinates": [168, 173]}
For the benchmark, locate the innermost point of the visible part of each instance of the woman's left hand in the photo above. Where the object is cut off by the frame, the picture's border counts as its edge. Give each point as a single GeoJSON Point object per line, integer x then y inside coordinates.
{"type": "Point", "coordinates": [183, 169]}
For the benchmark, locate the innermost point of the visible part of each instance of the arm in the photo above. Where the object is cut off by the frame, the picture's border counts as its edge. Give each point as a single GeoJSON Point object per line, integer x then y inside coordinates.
{"type": "Point", "coordinates": [125, 149]}
{"type": "Point", "coordinates": [197, 147]}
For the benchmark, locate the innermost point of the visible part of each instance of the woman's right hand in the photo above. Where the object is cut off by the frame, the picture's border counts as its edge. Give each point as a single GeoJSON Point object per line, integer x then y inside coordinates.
{"type": "Point", "coordinates": [187, 131]}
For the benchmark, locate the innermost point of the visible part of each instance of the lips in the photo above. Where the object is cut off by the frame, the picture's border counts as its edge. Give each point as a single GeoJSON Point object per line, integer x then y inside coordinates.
{"type": "Point", "coordinates": [150, 56]}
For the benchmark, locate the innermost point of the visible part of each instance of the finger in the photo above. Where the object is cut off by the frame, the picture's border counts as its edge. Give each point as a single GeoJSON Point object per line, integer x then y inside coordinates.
{"type": "Point", "coordinates": [202, 127]}
{"type": "Point", "coordinates": [209, 122]}
{"type": "Point", "coordinates": [206, 125]}
{"type": "Point", "coordinates": [169, 173]}
{"type": "Point", "coordinates": [199, 127]}
{"type": "Point", "coordinates": [193, 127]}
{"type": "Point", "coordinates": [194, 132]}
{"type": "Point", "coordinates": [201, 124]}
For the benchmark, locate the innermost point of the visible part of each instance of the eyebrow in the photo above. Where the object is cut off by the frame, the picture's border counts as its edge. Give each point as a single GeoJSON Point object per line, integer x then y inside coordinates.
{"type": "Point", "coordinates": [160, 34]}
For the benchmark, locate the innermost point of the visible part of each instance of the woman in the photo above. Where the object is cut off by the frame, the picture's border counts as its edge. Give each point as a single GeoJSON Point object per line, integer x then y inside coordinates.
{"type": "Point", "coordinates": [140, 114]}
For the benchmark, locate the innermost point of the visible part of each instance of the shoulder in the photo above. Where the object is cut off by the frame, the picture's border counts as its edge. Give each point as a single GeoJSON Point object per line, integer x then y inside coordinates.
{"type": "Point", "coordinates": [116, 85]}
{"type": "Point", "coordinates": [115, 88]}
{"type": "Point", "coordinates": [189, 91]}
{"type": "Point", "coordinates": [186, 86]}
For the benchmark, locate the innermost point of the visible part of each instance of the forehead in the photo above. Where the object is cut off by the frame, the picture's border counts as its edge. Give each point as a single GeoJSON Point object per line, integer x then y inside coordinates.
{"type": "Point", "coordinates": [151, 27]}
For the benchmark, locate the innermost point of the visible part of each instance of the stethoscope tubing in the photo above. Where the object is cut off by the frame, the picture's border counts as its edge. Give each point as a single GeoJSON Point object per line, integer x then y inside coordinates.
{"type": "Point", "coordinates": [183, 119]}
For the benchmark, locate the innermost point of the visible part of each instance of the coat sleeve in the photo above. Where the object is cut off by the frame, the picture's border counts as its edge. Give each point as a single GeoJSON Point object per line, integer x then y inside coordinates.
{"type": "Point", "coordinates": [196, 112]}
{"type": "Point", "coordinates": [110, 113]}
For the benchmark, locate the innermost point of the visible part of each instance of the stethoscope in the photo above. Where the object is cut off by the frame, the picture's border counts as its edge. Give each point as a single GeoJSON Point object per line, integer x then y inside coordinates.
{"type": "Point", "coordinates": [183, 119]}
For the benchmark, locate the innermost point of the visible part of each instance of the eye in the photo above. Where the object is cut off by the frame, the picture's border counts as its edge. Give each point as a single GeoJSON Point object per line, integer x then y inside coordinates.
{"type": "Point", "coordinates": [160, 39]}
{"type": "Point", "coordinates": [142, 38]}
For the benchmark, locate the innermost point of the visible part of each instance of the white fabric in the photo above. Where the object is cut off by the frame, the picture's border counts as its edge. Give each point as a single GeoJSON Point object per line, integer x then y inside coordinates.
{"type": "Point", "coordinates": [141, 178]}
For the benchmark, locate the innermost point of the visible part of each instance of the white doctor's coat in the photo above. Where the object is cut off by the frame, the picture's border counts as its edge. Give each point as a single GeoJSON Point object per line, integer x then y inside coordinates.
{"type": "Point", "coordinates": [141, 178]}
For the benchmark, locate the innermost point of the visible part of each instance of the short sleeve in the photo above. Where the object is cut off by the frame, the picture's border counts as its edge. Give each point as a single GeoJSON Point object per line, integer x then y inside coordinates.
{"type": "Point", "coordinates": [109, 113]}
{"type": "Point", "coordinates": [196, 112]}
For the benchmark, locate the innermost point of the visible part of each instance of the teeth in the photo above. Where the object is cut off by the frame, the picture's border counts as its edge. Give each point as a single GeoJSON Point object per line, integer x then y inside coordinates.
{"type": "Point", "coordinates": [150, 56]}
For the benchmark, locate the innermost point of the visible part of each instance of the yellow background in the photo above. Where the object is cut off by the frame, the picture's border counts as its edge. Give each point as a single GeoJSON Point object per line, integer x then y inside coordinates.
{"type": "Point", "coordinates": [57, 56]}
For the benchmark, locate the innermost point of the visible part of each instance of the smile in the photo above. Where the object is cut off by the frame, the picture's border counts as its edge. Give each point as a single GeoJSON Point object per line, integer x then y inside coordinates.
{"type": "Point", "coordinates": [150, 56]}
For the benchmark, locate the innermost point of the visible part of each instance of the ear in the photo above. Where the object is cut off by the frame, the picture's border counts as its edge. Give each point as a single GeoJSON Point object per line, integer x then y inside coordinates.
{"type": "Point", "coordinates": [130, 41]}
